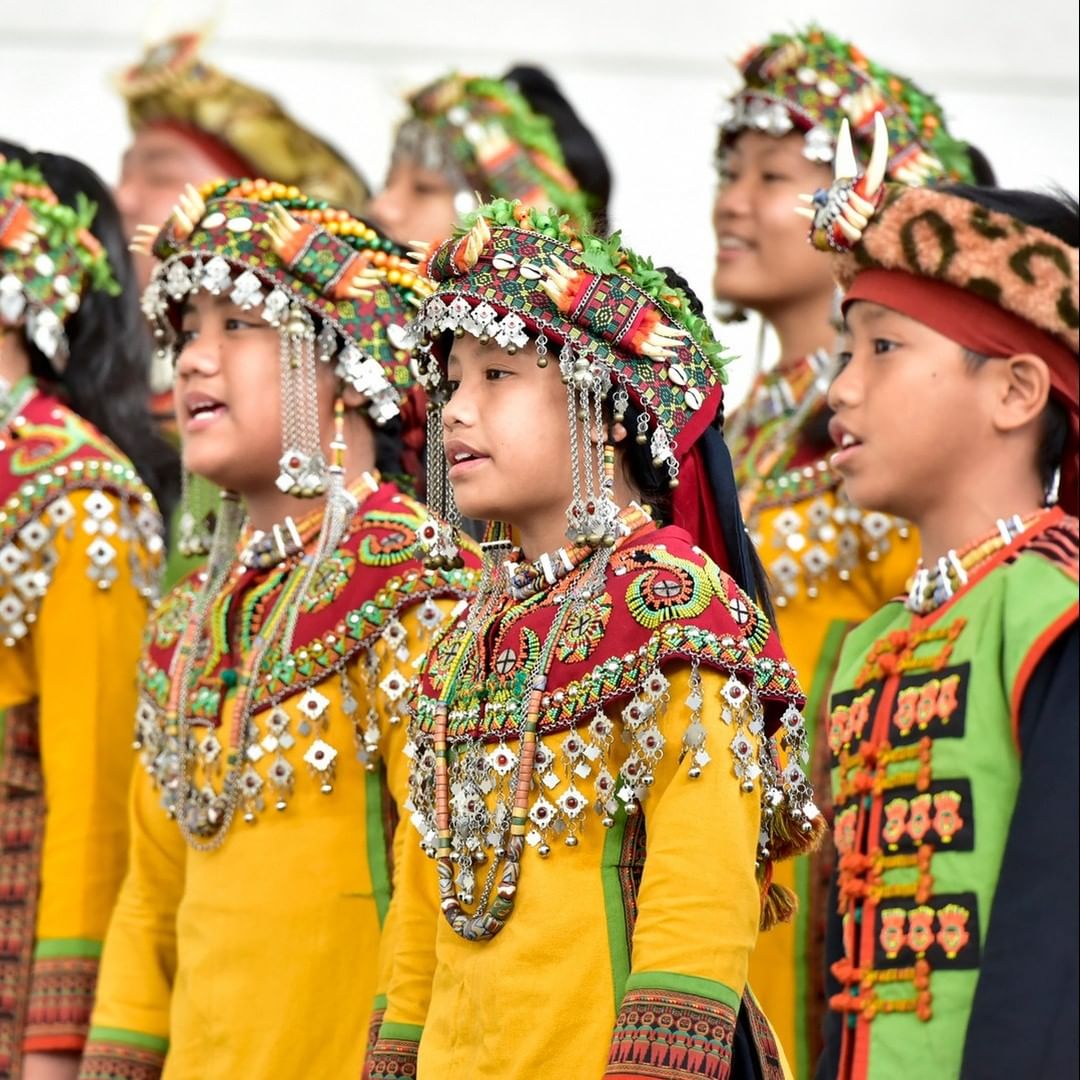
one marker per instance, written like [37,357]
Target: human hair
[106,378]
[1058,213]
[581,151]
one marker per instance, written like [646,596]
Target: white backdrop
[645,76]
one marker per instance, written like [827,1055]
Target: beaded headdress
[485,137]
[49,258]
[994,283]
[334,287]
[515,275]
[172,85]
[811,81]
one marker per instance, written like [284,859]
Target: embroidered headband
[811,81]
[266,244]
[49,258]
[173,87]
[485,136]
[935,234]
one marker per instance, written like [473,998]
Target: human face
[911,417]
[228,395]
[507,440]
[155,169]
[415,204]
[763,260]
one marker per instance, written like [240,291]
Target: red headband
[977,323]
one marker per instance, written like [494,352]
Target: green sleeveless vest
[926,768]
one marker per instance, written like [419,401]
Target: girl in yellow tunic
[80,547]
[272,687]
[594,747]
[831,565]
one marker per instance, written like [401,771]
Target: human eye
[884,345]
[236,322]
[494,374]
[843,358]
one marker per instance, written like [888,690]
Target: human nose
[200,356]
[732,200]
[387,208]
[460,408]
[126,196]
[845,390]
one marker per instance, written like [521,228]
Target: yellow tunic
[831,567]
[628,945]
[80,549]
[258,958]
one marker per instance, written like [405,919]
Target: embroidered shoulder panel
[661,603]
[1058,544]
[664,601]
[364,587]
[349,631]
[51,453]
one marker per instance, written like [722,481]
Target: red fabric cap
[693,508]
[977,323]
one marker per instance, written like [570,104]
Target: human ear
[617,433]
[1024,391]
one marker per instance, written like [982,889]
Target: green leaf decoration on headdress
[608,255]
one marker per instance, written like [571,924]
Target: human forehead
[757,146]
[159,148]
[470,350]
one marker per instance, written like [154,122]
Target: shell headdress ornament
[841,212]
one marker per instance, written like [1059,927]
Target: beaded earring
[592,516]
[438,534]
[341,505]
[199,502]
[302,467]
[1053,489]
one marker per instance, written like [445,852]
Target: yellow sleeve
[129,1036]
[407,946]
[85,645]
[699,904]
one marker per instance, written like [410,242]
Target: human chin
[478,496]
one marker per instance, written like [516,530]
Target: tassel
[778,905]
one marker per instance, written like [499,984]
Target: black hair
[981,169]
[1058,213]
[582,152]
[652,482]
[106,379]
[1054,211]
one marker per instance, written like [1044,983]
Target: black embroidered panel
[944,931]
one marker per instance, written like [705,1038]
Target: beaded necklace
[205,824]
[488,920]
[930,587]
[528,578]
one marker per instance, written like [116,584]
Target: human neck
[14,359]
[268,507]
[545,532]
[803,325]
[952,523]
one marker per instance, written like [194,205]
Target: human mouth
[463,458]
[201,411]
[731,247]
[849,444]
